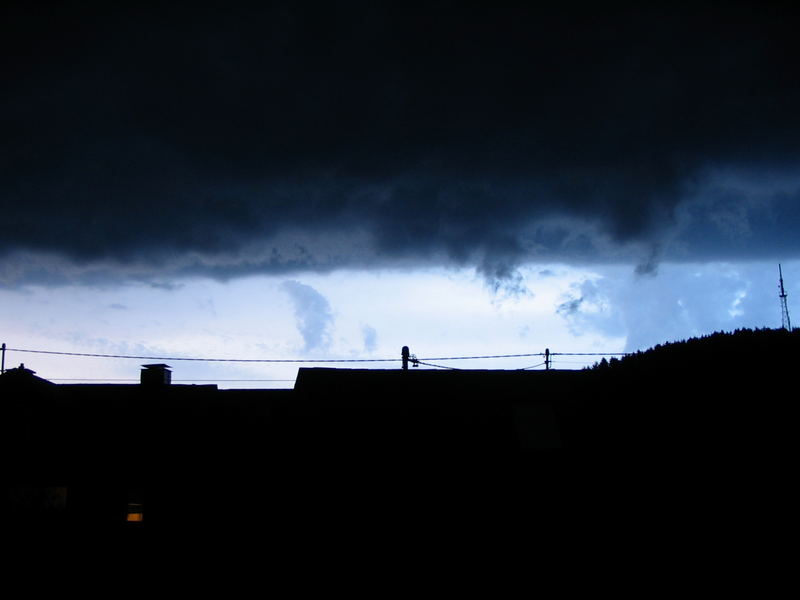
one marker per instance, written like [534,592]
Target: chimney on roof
[156,375]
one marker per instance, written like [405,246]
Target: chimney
[156,375]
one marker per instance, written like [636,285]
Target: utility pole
[3,365]
[786,323]
[547,359]
[407,356]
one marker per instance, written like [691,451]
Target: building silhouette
[117,453]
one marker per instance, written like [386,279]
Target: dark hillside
[723,389]
[753,348]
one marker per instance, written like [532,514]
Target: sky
[290,181]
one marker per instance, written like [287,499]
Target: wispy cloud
[370,338]
[313,315]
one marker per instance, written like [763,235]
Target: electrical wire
[419,362]
[590,353]
[571,362]
[482,357]
[241,360]
[173,380]
[308,360]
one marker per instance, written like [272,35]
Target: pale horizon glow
[372,314]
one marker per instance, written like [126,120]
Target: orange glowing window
[135,513]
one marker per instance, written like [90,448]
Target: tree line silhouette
[721,389]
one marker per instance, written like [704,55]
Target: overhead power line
[437,366]
[306,360]
[589,353]
[532,367]
[175,358]
[137,380]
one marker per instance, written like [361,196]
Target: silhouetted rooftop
[20,376]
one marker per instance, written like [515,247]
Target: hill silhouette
[725,389]
[713,351]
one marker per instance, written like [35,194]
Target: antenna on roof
[786,323]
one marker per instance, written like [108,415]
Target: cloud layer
[290,138]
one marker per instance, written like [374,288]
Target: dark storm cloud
[227,141]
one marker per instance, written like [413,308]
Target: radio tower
[786,323]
